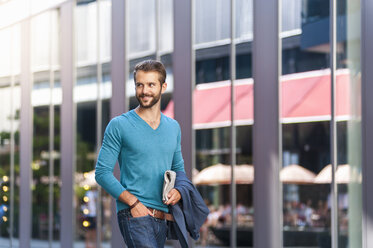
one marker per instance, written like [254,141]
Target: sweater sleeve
[178,161]
[107,159]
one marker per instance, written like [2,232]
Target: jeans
[142,232]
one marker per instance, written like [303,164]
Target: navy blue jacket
[189,214]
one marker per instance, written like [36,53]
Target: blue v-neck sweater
[143,154]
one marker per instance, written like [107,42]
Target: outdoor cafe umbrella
[342,175]
[244,174]
[296,174]
[221,174]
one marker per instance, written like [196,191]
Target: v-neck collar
[145,123]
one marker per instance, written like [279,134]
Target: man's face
[148,88]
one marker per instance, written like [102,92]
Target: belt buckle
[154,212]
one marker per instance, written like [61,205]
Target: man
[146,143]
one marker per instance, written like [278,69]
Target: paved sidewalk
[5,243]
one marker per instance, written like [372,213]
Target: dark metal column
[367,119]
[183,68]
[25,139]
[119,76]
[67,123]
[119,63]
[184,75]
[266,130]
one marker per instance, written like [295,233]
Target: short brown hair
[151,65]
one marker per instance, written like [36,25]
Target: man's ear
[164,87]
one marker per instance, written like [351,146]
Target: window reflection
[42,179]
[349,159]
[10,103]
[212,20]
[86,27]
[212,177]
[305,132]
[86,195]
[166,30]
[141,26]
[211,108]
[92,92]
[307,207]
[46,99]
[9,163]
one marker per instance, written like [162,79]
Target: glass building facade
[272,98]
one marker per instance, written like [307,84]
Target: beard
[149,103]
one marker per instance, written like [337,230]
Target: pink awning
[305,97]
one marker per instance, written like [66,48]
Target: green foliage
[79,191]
[83,163]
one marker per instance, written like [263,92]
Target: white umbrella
[221,174]
[214,174]
[295,174]
[244,174]
[342,175]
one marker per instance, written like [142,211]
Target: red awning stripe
[305,98]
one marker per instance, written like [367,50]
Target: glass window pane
[40,173]
[244,19]
[9,163]
[166,31]
[211,20]
[85,96]
[5,51]
[15,194]
[291,15]
[106,199]
[10,103]
[305,116]
[141,26]
[40,41]
[212,156]
[348,99]
[212,120]
[213,69]
[91,95]
[46,99]
[86,30]
[105,30]
[86,193]
[105,95]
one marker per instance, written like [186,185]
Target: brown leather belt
[161,215]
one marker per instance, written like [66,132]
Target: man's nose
[145,90]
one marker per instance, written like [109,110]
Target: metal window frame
[333,122]
[119,75]
[25,138]
[98,118]
[68,117]
[267,129]
[12,143]
[183,59]
[233,188]
[367,119]
[184,80]
[51,135]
